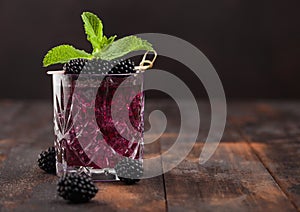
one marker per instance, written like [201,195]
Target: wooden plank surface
[234,179]
[255,168]
[274,134]
[24,186]
[8,112]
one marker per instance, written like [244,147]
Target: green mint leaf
[63,54]
[122,47]
[111,39]
[104,40]
[107,41]
[94,29]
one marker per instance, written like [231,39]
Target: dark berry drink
[98,121]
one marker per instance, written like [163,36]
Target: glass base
[106,174]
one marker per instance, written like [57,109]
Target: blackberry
[97,66]
[129,170]
[74,66]
[46,160]
[123,67]
[76,188]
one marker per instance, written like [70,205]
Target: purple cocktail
[98,121]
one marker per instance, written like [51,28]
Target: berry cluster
[123,67]
[76,188]
[74,66]
[79,188]
[129,170]
[97,66]
[46,160]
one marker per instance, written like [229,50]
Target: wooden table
[255,168]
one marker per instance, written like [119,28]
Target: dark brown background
[254,45]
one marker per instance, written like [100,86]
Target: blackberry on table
[129,170]
[47,161]
[76,188]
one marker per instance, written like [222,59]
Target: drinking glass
[98,120]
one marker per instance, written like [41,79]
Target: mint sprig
[94,29]
[103,47]
[124,46]
[63,54]
[107,41]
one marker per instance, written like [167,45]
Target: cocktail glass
[98,120]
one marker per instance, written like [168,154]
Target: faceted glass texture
[98,120]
